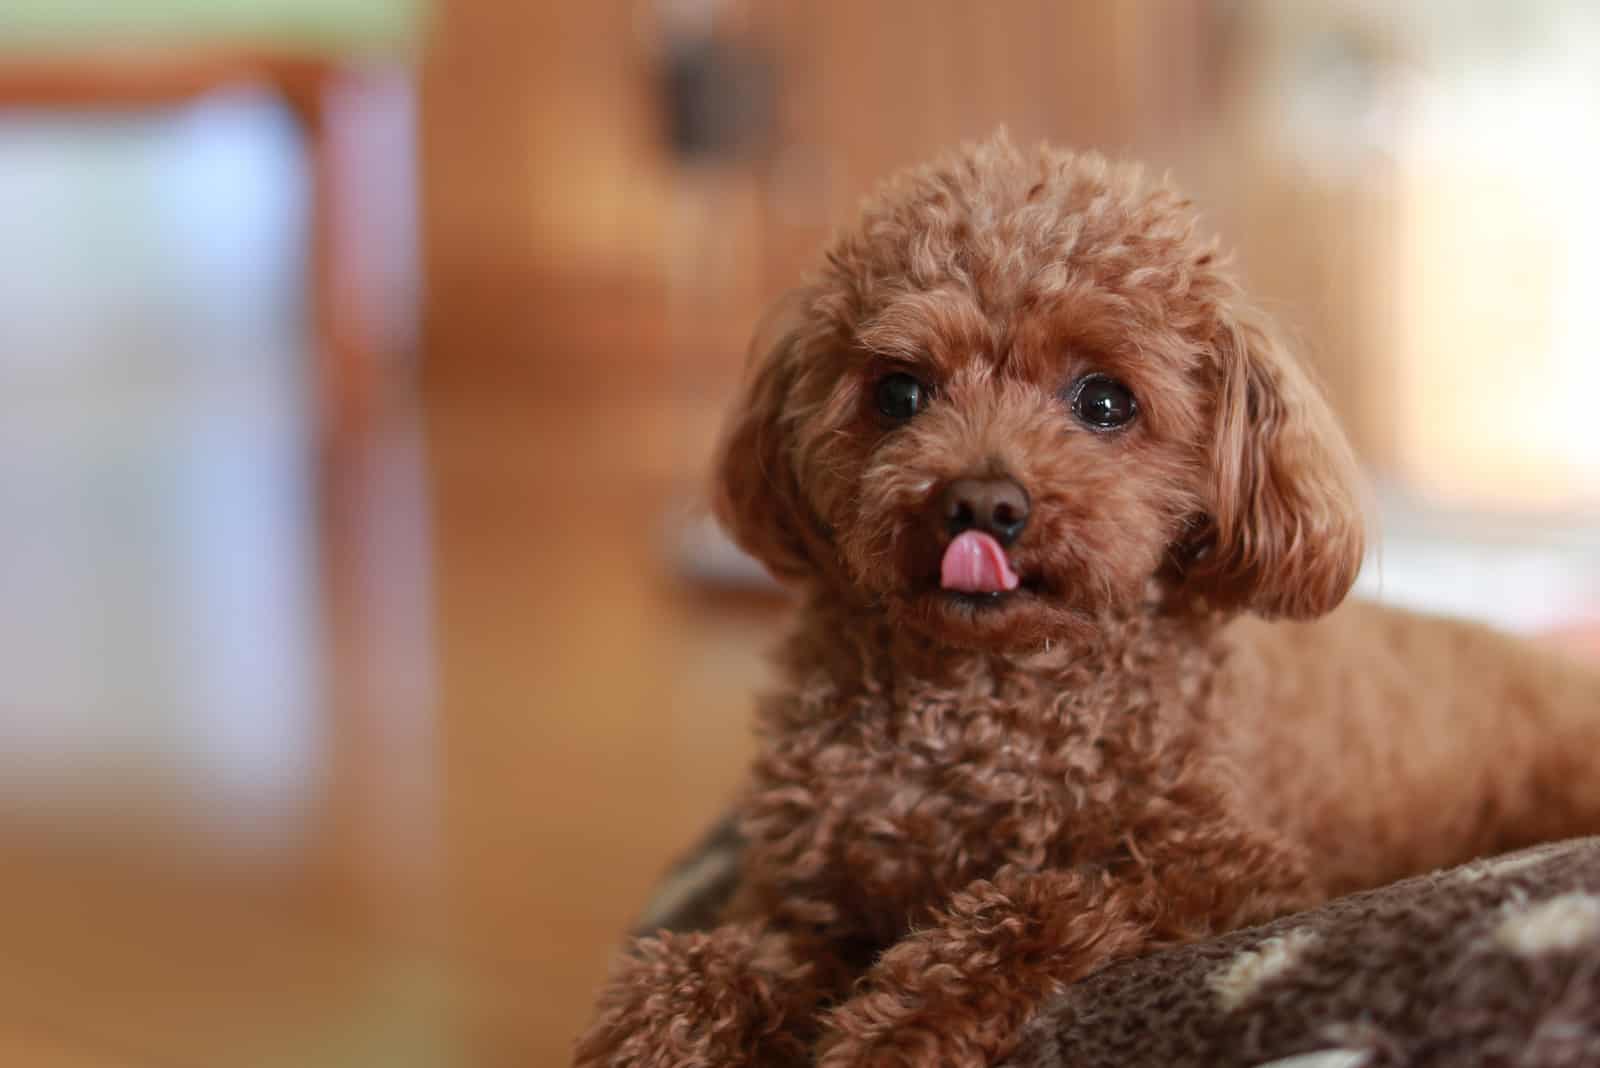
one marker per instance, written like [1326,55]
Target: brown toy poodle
[1069,682]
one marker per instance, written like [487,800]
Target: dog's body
[1365,746]
[1035,716]
[1392,743]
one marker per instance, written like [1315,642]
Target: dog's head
[1020,397]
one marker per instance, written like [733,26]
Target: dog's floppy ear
[1286,526]
[756,491]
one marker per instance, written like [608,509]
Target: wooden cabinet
[549,187]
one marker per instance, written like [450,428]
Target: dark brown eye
[1103,403]
[899,396]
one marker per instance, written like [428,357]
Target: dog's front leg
[738,996]
[956,993]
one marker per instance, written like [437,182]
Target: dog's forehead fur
[965,254]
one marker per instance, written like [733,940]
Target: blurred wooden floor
[593,711]
[345,757]
[490,721]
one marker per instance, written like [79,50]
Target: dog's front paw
[887,1029]
[957,993]
[718,999]
[917,1011]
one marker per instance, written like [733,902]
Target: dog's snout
[996,505]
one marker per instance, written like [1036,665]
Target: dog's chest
[897,801]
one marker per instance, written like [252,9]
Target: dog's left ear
[1286,530]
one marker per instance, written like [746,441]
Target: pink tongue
[975,563]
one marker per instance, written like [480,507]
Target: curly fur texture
[1166,732]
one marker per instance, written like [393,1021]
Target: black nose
[996,505]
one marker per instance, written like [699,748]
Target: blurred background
[363,653]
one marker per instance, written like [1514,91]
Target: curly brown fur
[963,804]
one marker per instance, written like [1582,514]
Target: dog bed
[1494,962]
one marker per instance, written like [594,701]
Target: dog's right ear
[756,495]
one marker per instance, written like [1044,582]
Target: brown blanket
[1496,962]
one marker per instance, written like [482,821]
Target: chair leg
[347,353]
